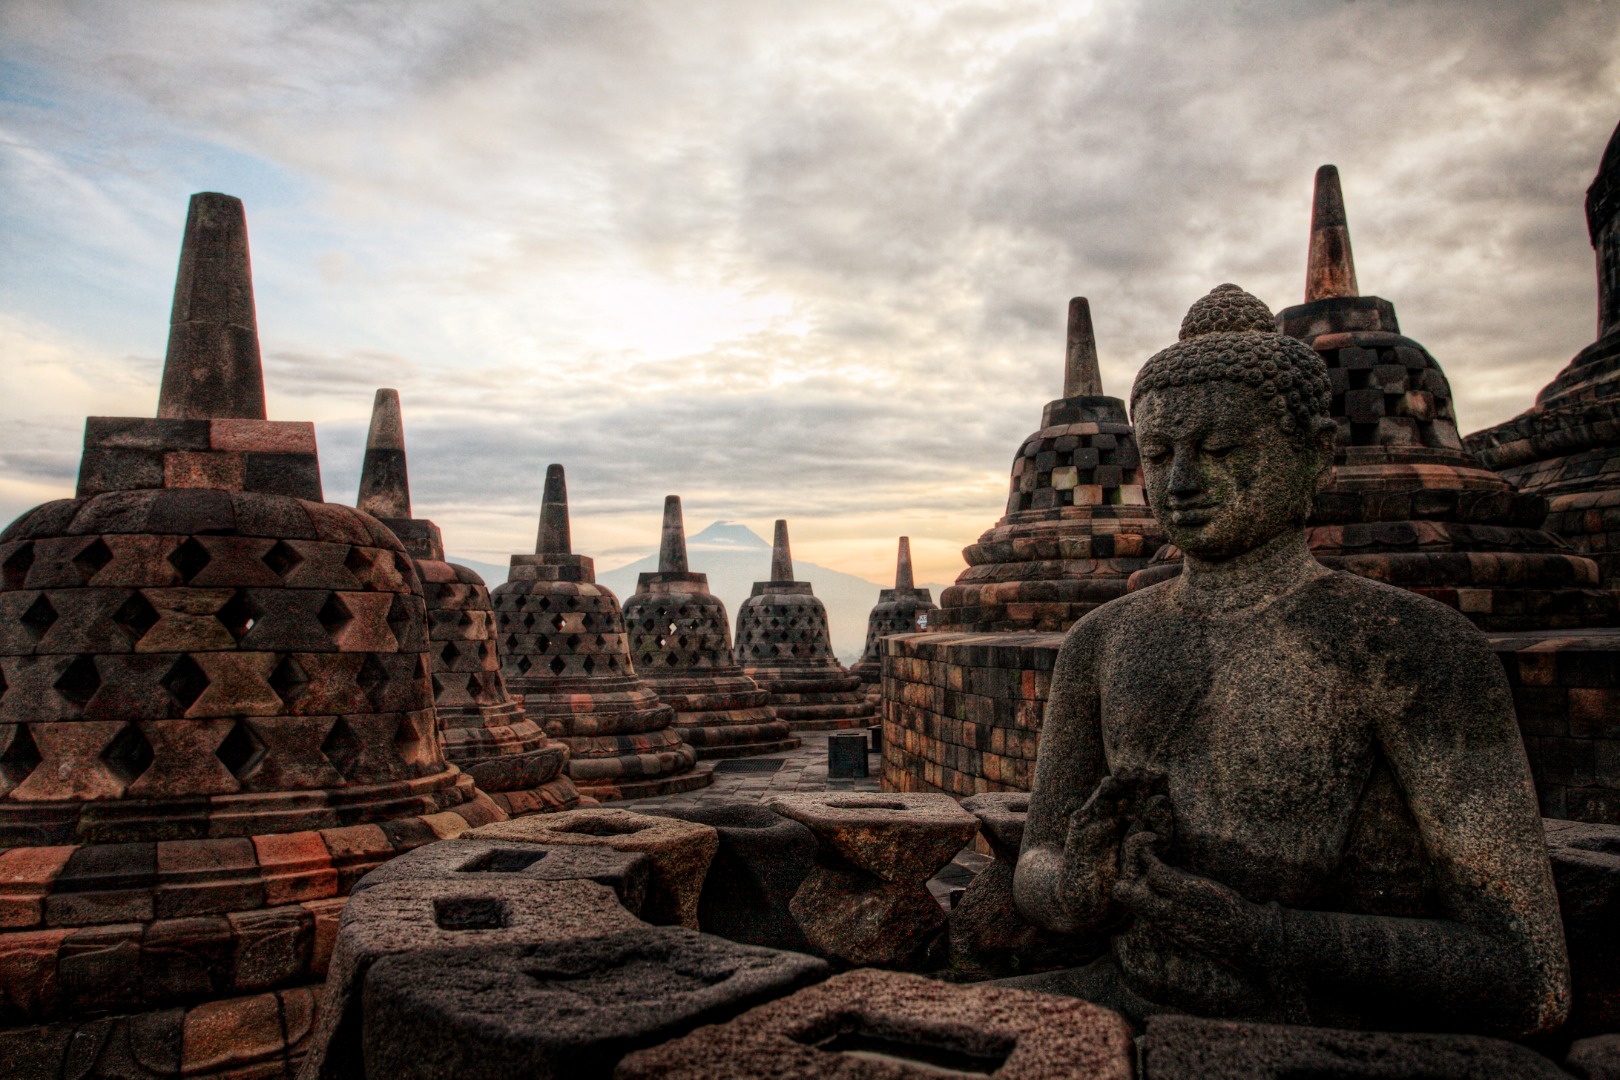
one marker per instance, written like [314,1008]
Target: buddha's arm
[1050,889]
[1498,961]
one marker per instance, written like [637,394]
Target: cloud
[801,259]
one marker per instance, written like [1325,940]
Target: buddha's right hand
[1128,801]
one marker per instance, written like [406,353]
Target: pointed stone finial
[781,555]
[554,538]
[212,369]
[672,545]
[1330,270]
[385,488]
[1081,377]
[902,569]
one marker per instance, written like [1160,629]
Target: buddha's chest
[1267,736]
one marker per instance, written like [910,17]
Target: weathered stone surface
[1187,1048]
[681,851]
[783,645]
[1217,778]
[762,860]
[564,648]
[897,837]
[680,642]
[886,1024]
[1586,870]
[439,914]
[627,873]
[484,729]
[1076,525]
[988,937]
[1595,1058]
[212,369]
[866,901]
[562,1009]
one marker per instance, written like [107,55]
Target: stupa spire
[672,545]
[385,486]
[554,538]
[1330,269]
[212,369]
[781,554]
[902,568]
[1081,376]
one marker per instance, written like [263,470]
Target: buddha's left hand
[1200,913]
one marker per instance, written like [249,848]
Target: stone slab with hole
[884,1024]
[680,851]
[627,873]
[441,913]
[762,860]
[506,1012]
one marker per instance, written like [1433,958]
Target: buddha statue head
[1234,428]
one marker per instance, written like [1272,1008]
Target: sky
[806,260]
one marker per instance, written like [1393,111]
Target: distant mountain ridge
[734,557]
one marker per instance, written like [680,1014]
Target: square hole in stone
[504,861]
[469,913]
[917,1053]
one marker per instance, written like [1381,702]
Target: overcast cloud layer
[805,260]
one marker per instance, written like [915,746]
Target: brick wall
[962,713]
[1566,689]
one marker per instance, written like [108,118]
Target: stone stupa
[1567,447]
[904,609]
[484,729]
[784,645]
[215,716]
[1077,524]
[680,642]
[564,649]
[1408,504]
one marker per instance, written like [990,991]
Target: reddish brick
[26,875]
[232,1034]
[28,979]
[326,914]
[296,867]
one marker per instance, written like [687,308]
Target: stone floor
[805,770]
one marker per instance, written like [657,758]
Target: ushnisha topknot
[1231,335]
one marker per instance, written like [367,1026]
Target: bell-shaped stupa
[784,645]
[215,715]
[1408,504]
[904,609]
[1077,523]
[680,641]
[1567,447]
[564,649]
[484,729]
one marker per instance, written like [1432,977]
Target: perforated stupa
[1077,524]
[484,728]
[680,641]
[564,649]
[783,643]
[215,714]
[1568,446]
[904,609]
[1408,504]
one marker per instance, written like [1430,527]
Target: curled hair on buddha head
[1231,336]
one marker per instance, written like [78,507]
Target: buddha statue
[1282,792]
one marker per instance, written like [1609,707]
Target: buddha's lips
[1197,514]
